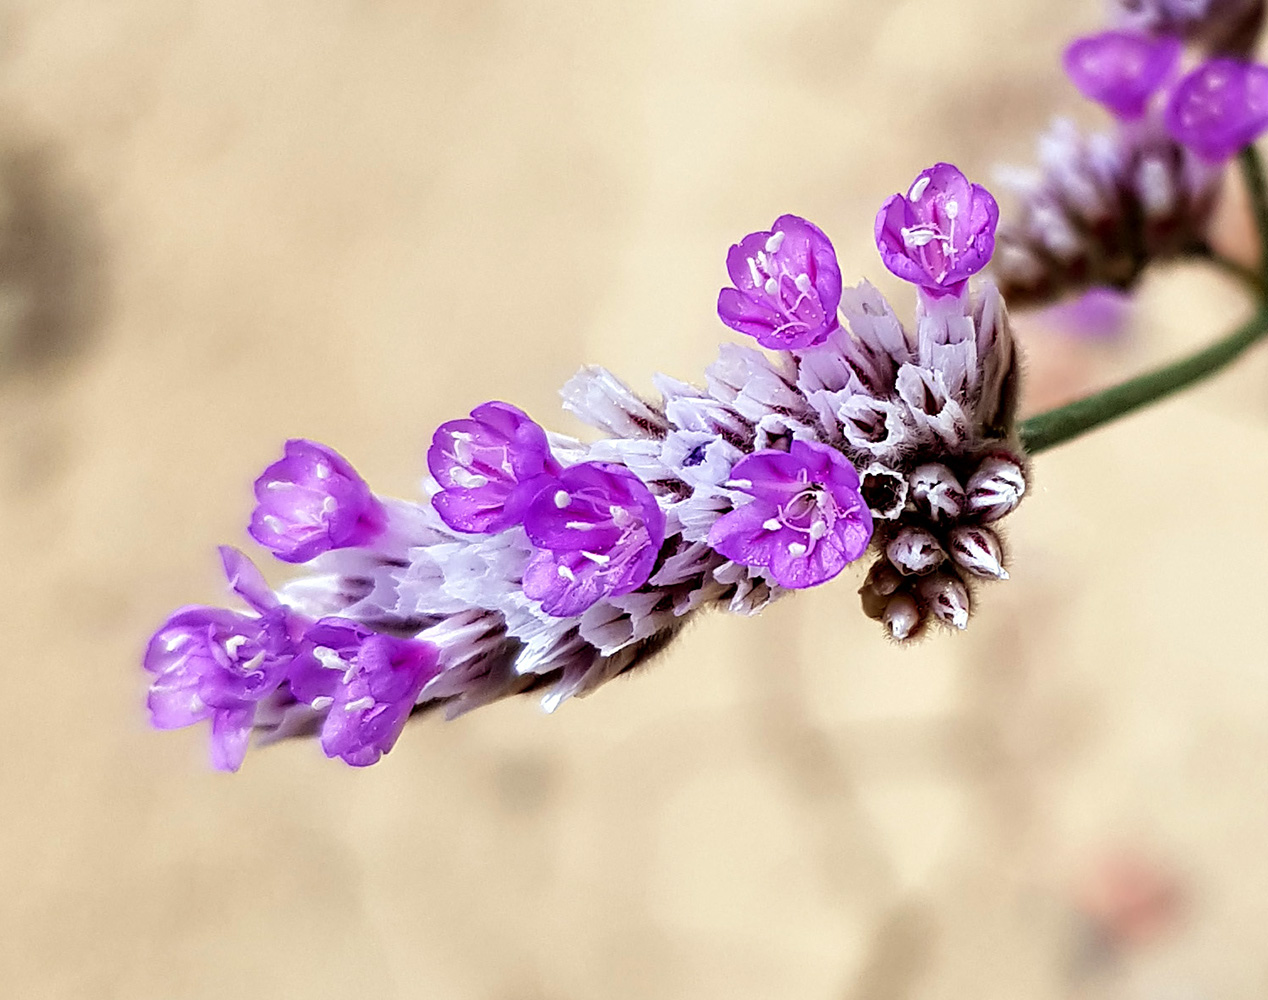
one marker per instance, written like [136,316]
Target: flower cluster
[539,563]
[1104,206]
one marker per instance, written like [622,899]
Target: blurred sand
[245,221]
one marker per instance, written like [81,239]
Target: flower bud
[978,550]
[915,551]
[996,488]
[902,616]
[948,599]
[936,492]
[882,580]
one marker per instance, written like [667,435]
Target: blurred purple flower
[599,530]
[806,520]
[489,468]
[312,501]
[1219,108]
[1121,69]
[941,233]
[787,286]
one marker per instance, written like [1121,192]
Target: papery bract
[806,521]
[1219,108]
[1121,69]
[940,233]
[489,468]
[599,529]
[787,286]
[312,501]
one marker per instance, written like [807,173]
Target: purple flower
[599,530]
[366,682]
[489,468]
[1121,69]
[942,232]
[787,286]
[312,501]
[806,520]
[212,663]
[1219,108]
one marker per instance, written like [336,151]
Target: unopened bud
[880,584]
[936,492]
[978,550]
[948,599]
[902,616]
[915,551]
[996,488]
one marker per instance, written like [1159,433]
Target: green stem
[1248,276]
[1047,430]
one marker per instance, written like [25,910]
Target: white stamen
[466,479]
[360,703]
[772,286]
[322,703]
[279,484]
[274,523]
[741,484]
[567,574]
[328,658]
[773,242]
[918,189]
[234,643]
[579,525]
[597,557]
[772,525]
[952,208]
[322,470]
[803,284]
[752,270]
[818,529]
[796,549]
[918,236]
[561,499]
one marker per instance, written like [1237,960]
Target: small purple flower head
[1121,69]
[787,286]
[212,663]
[942,232]
[489,468]
[366,682]
[806,520]
[312,501]
[1219,108]
[599,530]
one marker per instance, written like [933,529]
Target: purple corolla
[1219,108]
[598,529]
[312,501]
[806,520]
[787,286]
[940,233]
[489,467]
[1121,69]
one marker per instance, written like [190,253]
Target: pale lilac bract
[366,682]
[216,664]
[806,521]
[312,501]
[787,286]
[1219,108]
[940,233]
[489,467]
[1121,69]
[598,529]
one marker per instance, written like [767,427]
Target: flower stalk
[1053,427]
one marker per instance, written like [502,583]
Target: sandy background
[229,223]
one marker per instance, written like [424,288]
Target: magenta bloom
[599,530]
[942,232]
[787,286]
[806,520]
[312,501]
[216,664]
[367,684]
[1121,69]
[1219,108]
[489,468]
